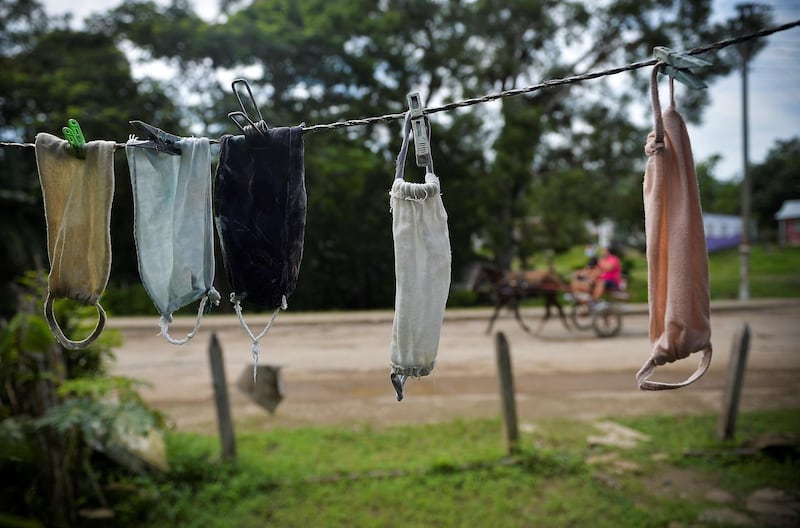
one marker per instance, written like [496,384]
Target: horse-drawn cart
[604,317]
[510,288]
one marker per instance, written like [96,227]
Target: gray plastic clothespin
[157,139]
[420,129]
[677,64]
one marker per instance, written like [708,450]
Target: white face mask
[422,271]
[173,226]
[77,204]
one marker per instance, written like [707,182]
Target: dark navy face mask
[260,213]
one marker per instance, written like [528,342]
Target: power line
[550,83]
[518,91]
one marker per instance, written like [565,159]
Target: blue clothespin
[74,136]
[419,129]
[677,64]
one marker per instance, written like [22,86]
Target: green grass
[774,272]
[452,474]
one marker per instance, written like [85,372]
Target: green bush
[127,299]
[56,407]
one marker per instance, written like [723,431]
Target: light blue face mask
[173,225]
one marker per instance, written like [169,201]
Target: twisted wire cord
[385,118]
[552,82]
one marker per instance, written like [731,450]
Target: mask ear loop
[659,123]
[672,93]
[400,163]
[237,307]
[429,165]
[59,334]
[163,323]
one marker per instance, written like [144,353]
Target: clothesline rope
[519,91]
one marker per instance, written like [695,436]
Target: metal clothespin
[74,136]
[242,118]
[157,139]
[677,65]
[419,129]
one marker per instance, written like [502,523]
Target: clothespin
[74,136]
[677,64]
[242,119]
[419,129]
[157,138]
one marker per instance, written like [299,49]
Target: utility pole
[745,48]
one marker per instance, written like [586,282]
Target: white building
[722,231]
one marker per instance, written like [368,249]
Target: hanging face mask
[260,207]
[77,204]
[173,226]
[677,259]
[422,270]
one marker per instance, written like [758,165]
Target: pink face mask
[677,259]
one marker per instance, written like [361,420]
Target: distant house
[788,218]
[722,231]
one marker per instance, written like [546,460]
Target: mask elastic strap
[237,307]
[59,334]
[642,377]
[400,164]
[658,127]
[163,323]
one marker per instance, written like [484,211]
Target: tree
[526,173]
[57,408]
[775,180]
[49,75]
[722,197]
[22,21]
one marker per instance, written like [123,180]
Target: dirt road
[335,368]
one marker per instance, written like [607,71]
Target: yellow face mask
[77,204]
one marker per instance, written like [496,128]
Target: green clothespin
[74,136]
[677,64]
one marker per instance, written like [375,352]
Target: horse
[508,288]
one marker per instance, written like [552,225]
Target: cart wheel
[581,316]
[607,321]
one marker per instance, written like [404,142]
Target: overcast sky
[774,88]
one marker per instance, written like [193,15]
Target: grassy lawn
[774,272]
[456,474]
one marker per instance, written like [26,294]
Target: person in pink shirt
[610,273]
